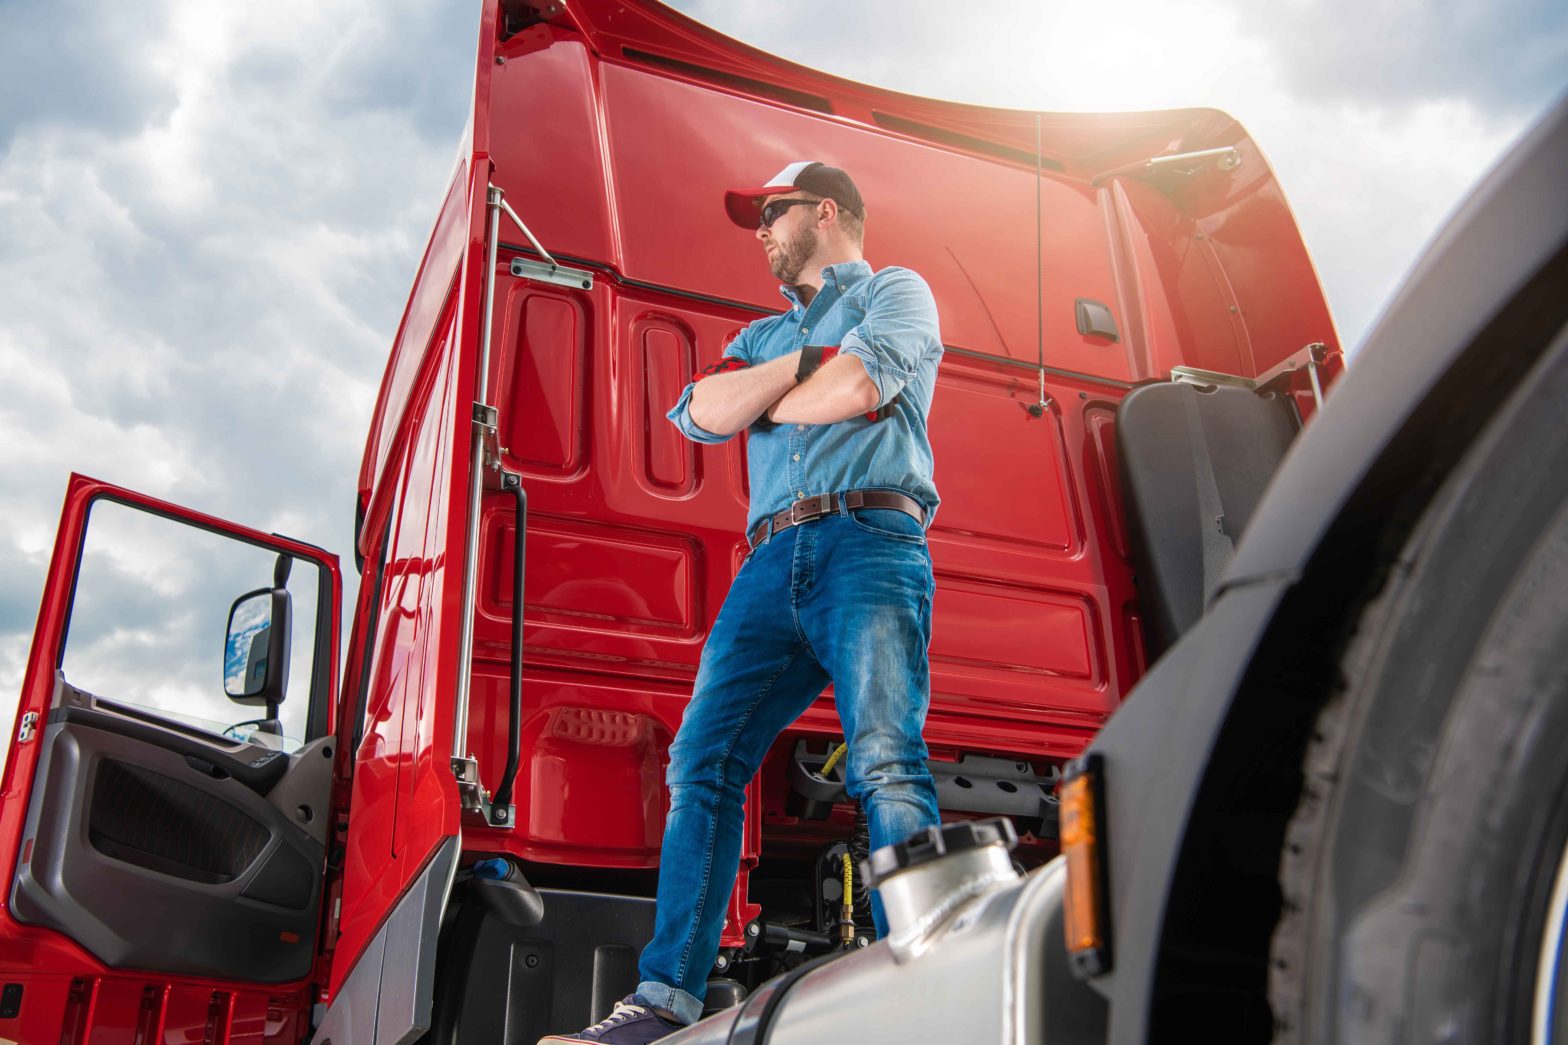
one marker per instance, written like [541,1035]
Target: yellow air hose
[846,920]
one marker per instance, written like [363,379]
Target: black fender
[1201,764]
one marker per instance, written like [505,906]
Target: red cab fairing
[614,129]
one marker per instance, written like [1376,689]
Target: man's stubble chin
[789,260]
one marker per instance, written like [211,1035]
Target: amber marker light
[1082,835]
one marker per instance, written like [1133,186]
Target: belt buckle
[817,507]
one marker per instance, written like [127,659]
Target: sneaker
[632,1023]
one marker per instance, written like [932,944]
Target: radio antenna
[1038,409]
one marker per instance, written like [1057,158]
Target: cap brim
[744,206]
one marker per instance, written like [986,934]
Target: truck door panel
[125,831]
[152,824]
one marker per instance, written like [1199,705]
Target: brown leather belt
[808,508]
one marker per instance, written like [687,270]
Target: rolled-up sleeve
[680,413]
[900,331]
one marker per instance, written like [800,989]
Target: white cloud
[207,252]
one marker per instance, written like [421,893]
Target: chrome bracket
[28,728]
[1194,376]
[475,800]
[561,275]
[485,426]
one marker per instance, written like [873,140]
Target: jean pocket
[889,522]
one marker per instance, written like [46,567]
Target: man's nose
[762,233]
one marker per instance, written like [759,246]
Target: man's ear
[830,214]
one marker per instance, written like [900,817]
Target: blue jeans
[845,598]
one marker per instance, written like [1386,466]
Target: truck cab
[437,812]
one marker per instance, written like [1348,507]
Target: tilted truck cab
[459,835]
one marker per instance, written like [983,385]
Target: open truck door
[167,798]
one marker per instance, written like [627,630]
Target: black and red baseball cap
[744,206]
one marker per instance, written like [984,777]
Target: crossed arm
[840,389]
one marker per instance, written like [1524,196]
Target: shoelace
[621,1014]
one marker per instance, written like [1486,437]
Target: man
[838,584]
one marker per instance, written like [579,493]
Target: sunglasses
[775,210]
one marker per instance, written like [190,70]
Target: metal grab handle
[513,484]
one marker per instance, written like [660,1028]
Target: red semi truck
[456,836]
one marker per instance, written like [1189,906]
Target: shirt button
[800,428]
[800,495]
[805,330]
[797,457]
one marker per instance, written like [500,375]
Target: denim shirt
[888,321]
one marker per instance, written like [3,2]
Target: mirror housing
[256,649]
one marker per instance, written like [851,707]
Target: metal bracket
[475,800]
[28,728]
[1309,357]
[1194,376]
[486,419]
[1224,158]
[561,275]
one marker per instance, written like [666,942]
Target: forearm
[725,403]
[839,390]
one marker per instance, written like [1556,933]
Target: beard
[789,260]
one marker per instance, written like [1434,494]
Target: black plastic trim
[261,773]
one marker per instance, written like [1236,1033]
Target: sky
[210,213]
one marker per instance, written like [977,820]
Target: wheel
[1424,873]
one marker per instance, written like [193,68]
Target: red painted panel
[668,360]
[116,1013]
[386,844]
[543,359]
[186,1016]
[1025,498]
[578,755]
[1103,468]
[548,155]
[980,630]
[591,576]
[980,259]
[590,789]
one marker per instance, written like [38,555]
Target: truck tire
[1424,873]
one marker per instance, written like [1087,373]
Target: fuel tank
[975,954]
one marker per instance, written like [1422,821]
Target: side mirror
[256,649]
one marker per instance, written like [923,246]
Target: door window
[150,615]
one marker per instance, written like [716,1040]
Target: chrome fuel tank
[991,967]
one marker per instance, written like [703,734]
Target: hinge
[475,800]
[28,728]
